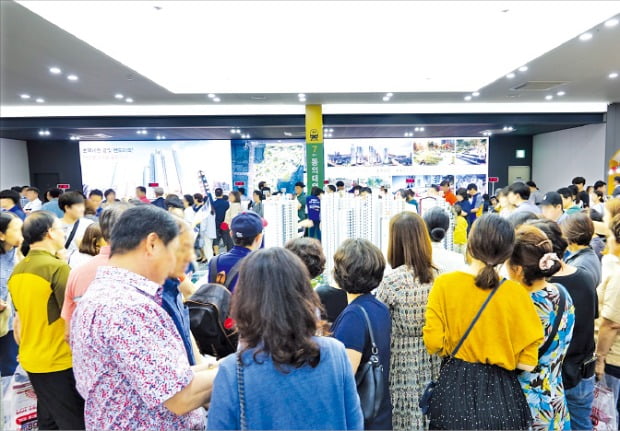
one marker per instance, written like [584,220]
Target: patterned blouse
[128,357]
[543,387]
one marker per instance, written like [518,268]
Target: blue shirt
[160,202]
[226,261]
[52,206]
[18,212]
[313,204]
[7,263]
[351,328]
[306,398]
[220,206]
[172,302]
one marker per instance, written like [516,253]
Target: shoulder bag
[369,378]
[556,323]
[425,399]
[241,391]
[72,234]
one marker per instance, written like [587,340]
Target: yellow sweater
[460,231]
[508,332]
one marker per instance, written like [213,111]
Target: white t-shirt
[79,233]
[34,205]
[78,259]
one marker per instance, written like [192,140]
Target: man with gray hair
[159,198]
[81,277]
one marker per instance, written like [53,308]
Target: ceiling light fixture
[549,97]
[523,69]
[389,94]
[301,95]
[611,22]
[74,137]
[142,132]
[386,99]
[25,96]
[217,99]
[55,70]
[586,36]
[118,96]
[40,100]
[613,75]
[561,93]
[129,100]
[44,132]
[467,98]
[72,77]
[475,93]
[210,95]
[510,75]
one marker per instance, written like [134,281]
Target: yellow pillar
[315,152]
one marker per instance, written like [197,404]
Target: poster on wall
[407,163]
[173,165]
[279,163]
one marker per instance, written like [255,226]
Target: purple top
[128,357]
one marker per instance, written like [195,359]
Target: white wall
[558,157]
[14,170]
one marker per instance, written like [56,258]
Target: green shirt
[301,212]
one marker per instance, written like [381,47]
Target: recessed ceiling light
[302,99]
[386,99]
[389,94]
[467,98]
[210,95]
[475,94]
[25,96]
[55,70]
[44,132]
[613,75]
[611,23]
[217,99]
[129,100]
[74,137]
[301,95]
[585,36]
[40,100]
[232,131]
[510,75]
[561,93]
[421,129]
[118,96]
[549,97]
[72,77]
[523,69]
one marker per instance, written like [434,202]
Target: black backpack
[209,309]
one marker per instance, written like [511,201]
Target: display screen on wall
[173,165]
[407,163]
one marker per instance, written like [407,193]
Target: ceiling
[257,56]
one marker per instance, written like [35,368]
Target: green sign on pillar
[315,160]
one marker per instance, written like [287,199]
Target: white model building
[281,216]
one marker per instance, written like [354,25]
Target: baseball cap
[551,198]
[299,184]
[247,224]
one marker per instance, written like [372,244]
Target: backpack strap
[232,274]
[213,268]
[556,323]
[72,234]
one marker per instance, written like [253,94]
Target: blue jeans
[614,384]
[579,400]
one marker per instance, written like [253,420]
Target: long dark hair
[491,241]
[410,244]
[5,220]
[276,309]
[36,226]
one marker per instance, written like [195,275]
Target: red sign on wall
[494,179]
[153,184]
[63,186]
[239,183]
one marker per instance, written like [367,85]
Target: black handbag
[369,379]
[425,399]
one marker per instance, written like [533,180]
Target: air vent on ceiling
[538,85]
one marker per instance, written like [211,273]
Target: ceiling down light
[613,75]
[467,98]
[141,132]
[475,93]
[389,94]
[55,70]
[25,96]
[510,75]
[301,95]
[129,100]
[74,137]
[217,99]
[211,95]
[611,22]
[44,132]
[72,77]
[549,97]
[386,99]
[118,96]
[585,36]
[40,100]
[421,129]
[523,69]
[561,93]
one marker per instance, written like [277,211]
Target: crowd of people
[514,319]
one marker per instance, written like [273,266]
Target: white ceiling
[257,56]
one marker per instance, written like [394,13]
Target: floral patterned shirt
[128,357]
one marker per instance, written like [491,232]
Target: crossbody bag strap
[473,322]
[556,323]
[241,390]
[375,349]
[72,234]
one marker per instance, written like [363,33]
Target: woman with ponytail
[37,288]
[438,223]
[485,328]
[532,263]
